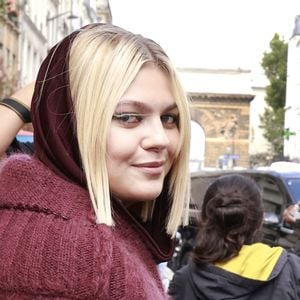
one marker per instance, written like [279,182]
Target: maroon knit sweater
[51,248]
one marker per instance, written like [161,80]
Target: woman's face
[143,137]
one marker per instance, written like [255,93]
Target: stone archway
[224,119]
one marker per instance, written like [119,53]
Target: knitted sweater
[51,248]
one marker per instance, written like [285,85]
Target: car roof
[202,179]
[252,172]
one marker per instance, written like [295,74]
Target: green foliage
[272,123]
[2,8]
[288,133]
[275,61]
[274,64]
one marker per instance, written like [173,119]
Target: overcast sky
[209,33]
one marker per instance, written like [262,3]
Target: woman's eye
[169,119]
[127,118]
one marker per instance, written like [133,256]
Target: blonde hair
[104,60]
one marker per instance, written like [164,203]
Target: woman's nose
[155,136]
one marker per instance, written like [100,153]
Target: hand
[289,213]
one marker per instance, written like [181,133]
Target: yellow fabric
[255,261]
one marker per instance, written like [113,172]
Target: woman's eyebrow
[143,106]
[171,107]
[132,103]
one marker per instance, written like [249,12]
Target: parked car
[279,189]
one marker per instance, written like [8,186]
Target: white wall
[257,143]
[197,147]
[292,115]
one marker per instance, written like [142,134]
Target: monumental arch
[224,119]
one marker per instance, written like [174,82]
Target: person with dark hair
[228,262]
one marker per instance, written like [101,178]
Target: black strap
[19,108]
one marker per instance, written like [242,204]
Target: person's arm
[10,121]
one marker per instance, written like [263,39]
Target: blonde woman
[96,208]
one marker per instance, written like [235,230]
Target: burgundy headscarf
[56,143]
[53,115]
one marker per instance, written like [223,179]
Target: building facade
[225,122]
[221,106]
[292,109]
[9,32]
[45,22]
[29,28]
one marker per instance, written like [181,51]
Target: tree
[274,64]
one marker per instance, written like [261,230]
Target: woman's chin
[140,197]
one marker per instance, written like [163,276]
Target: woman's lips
[152,168]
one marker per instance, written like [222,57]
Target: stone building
[9,33]
[29,28]
[104,11]
[220,105]
[43,23]
[225,122]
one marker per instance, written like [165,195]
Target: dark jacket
[20,147]
[274,274]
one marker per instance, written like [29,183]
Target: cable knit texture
[51,248]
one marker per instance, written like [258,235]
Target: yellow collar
[255,261]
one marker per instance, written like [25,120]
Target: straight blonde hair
[104,61]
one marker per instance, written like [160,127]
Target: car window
[293,185]
[199,185]
[271,194]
